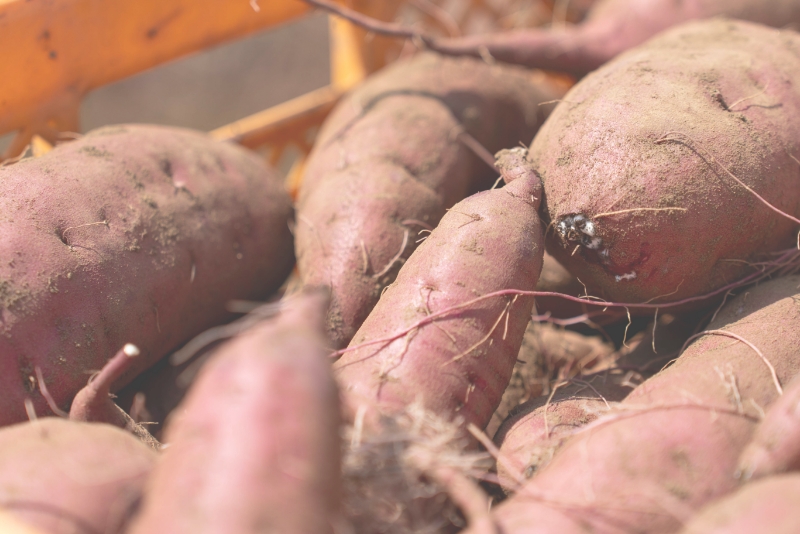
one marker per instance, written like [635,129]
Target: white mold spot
[627,276]
[578,229]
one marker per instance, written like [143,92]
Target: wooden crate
[53,52]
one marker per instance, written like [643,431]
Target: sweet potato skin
[388,163]
[776,444]
[62,476]
[532,433]
[610,28]
[768,505]
[461,364]
[547,353]
[675,445]
[647,136]
[130,234]
[254,446]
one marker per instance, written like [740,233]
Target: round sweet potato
[640,161]
[131,234]
[65,476]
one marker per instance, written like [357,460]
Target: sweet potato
[532,433]
[556,279]
[391,159]
[776,444]
[610,27]
[9,524]
[432,338]
[547,353]
[586,388]
[254,447]
[672,445]
[130,234]
[768,505]
[640,158]
[65,477]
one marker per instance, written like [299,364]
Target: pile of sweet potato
[505,315]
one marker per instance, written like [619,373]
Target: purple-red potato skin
[672,445]
[130,234]
[531,434]
[521,436]
[64,476]
[93,403]
[254,446]
[547,353]
[769,505]
[724,93]
[611,27]
[459,365]
[389,162]
[776,444]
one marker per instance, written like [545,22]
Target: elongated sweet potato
[65,477]
[254,447]
[652,164]
[672,445]
[768,505]
[610,27]
[458,361]
[390,161]
[130,234]
[776,445]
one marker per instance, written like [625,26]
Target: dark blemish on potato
[577,228]
[472,246]
[166,167]
[149,201]
[61,237]
[721,101]
[93,151]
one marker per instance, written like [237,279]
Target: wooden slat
[283,122]
[52,52]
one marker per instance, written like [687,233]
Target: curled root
[397,257]
[46,394]
[682,138]
[787,262]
